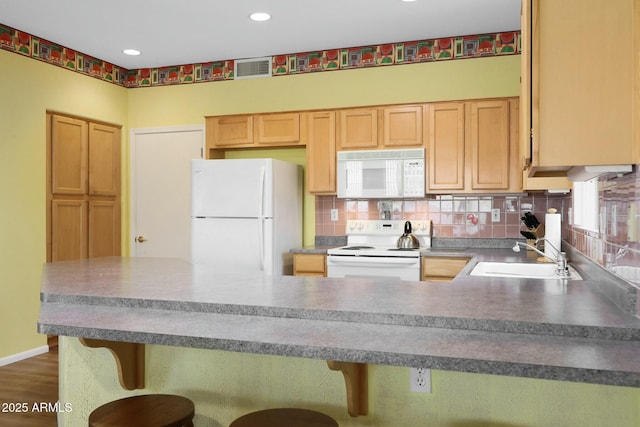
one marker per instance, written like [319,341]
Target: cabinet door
[68,229]
[278,129]
[583,80]
[442,269]
[104,228]
[104,160]
[358,128]
[402,126]
[321,152]
[229,131]
[489,141]
[445,135]
[309,265]
[69,155]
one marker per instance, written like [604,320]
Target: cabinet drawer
[442,268]
[309,264]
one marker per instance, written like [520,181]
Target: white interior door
[161,190]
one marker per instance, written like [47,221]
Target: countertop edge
[605,362]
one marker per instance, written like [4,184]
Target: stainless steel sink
[523,270]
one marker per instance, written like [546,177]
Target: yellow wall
[28,88]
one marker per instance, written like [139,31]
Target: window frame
[586,205]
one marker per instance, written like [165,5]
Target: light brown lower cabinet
[310,265]
[442,268]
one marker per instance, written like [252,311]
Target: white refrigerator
[246,214]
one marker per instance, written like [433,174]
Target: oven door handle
[363,260]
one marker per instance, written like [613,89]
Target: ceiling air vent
[252,68]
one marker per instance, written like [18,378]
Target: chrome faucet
[562,268]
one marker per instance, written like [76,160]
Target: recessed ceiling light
[132,52]
[260,16]
[408,1]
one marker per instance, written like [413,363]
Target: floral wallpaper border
[443,49]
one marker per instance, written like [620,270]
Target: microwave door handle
[346,182]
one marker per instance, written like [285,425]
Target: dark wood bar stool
[285,417]
[150,410]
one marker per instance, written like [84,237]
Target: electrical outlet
[495,215]
[334,214]
[420,380]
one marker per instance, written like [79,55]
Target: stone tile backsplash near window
[452,217]
[610,247]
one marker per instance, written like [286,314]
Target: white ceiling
[175,32]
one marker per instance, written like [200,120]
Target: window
[585,204]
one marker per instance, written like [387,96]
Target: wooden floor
[30,382]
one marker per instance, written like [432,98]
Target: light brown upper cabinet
[83,191]
[402,126]
[383,127]
[580,80]
[255,130]
[277,129]
[358,129]
[490,145]
[229,131]
[320,137]
[472,146]
[445,147]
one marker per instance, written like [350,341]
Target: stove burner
[356,248]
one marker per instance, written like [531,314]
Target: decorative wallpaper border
[443,49]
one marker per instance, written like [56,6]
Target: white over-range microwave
[379,174]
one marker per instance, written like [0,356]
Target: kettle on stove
[408,240]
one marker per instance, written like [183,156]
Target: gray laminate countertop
[566,330]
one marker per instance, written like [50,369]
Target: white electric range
[372,251]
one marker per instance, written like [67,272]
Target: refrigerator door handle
[261,239]
[261,192]
[261,242]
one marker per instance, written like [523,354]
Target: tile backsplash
[470,216]
[610,246]
[452,216]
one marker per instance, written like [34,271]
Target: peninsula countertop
[563,330]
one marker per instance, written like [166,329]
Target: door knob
[140,239]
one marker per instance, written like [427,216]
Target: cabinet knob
[140,239]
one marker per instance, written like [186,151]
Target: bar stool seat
[150,410]
[285,417]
